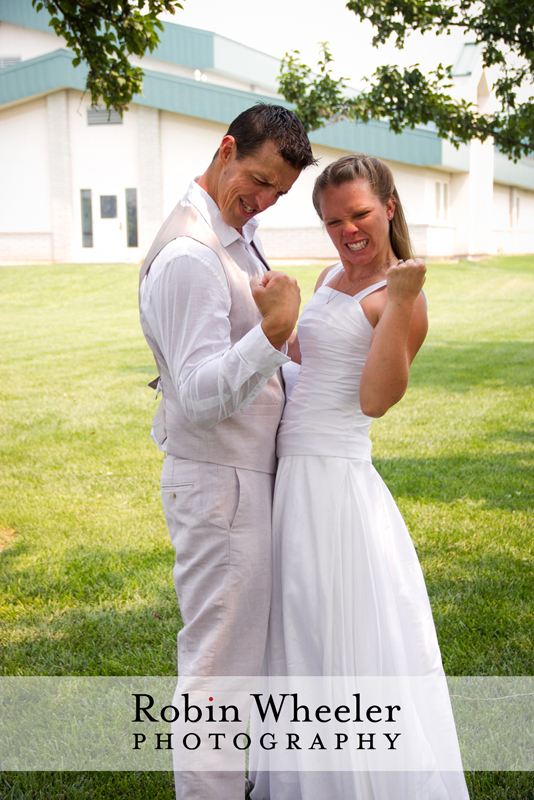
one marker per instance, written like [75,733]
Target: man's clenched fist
[278,299]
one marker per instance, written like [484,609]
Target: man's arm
[187,305]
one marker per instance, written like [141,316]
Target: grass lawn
[85,567]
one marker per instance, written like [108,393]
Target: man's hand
[278,299]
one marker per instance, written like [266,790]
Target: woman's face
[358,223]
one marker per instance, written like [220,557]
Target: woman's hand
[293,348]
[406,279]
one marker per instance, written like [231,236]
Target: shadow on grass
[89,611]
[458,366]
[96,641]
[482,608]
[87,572]
[501,481]
[481,602]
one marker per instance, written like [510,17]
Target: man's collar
[209,209]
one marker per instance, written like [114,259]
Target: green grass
[458,454]
[90,564]
[87,786]
[85,585]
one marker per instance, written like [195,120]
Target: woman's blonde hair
[380,179]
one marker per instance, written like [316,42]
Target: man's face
[249,185]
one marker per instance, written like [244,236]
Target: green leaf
[407,97]
[102,33]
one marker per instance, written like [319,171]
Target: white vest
[247,438]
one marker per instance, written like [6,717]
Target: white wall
[292,228]
[431,226]
[26,42]
[187,147]
[24,200]
[512,233]
[25,214]
[48,153]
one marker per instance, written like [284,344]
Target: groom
[217,319]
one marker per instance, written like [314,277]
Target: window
[108,206]
[8,61]
[442,200]
[87,218]
[131,217]
[96,115]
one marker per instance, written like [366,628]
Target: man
[217,319]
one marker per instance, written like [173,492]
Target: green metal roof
[21,12]
[41,75]
[179,44]
[216,103]
[205,50]
[519,174]
[419,146]
[192,98]
[187,46]
[196,99]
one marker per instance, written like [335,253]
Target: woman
[349,597]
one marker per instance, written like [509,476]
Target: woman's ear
[390,208]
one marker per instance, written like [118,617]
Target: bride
[349,598]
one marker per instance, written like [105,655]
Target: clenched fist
[278,299]
[406,279]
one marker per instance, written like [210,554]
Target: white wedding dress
[349,596]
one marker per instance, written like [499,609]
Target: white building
[80,185]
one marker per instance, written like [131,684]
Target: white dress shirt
[185,299]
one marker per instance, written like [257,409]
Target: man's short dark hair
[264,122]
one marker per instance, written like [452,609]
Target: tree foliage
[406,96]
[103,33]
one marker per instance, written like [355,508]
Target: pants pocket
[229,494]
[169,487]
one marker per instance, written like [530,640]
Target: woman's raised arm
[399,333]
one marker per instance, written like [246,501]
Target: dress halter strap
[369,290]
[334,270]
[331,272]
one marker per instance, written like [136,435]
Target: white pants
[219,521]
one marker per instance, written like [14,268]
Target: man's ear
[227,150]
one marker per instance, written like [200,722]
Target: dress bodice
[323,414]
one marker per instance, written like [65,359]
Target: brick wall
[29,248]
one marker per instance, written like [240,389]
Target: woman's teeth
[357,245]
